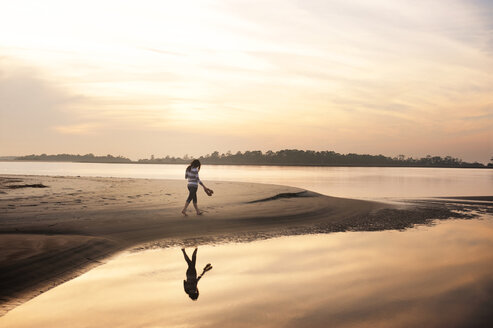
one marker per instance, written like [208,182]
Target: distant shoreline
[285,157]
[258,164]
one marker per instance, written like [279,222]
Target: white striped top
[193,177]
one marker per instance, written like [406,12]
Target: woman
[192,174]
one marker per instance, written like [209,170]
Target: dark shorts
[192,196]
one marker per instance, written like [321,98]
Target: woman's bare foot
[184,212]
[200,212]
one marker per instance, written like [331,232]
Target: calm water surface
[440,276]
[353,182]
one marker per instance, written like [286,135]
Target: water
[352,182]
[440,276]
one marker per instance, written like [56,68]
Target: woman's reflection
[190,284]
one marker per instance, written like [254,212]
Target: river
[352,182]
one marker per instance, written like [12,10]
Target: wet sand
[55,228]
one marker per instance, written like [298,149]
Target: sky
[142,78]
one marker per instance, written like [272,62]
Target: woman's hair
[195,164]
[193,294]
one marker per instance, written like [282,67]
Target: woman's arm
[208,267]
[207,190]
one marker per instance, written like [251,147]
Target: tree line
[316,158]
[88,158]
[283,157]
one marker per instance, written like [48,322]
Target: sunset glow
[191,77]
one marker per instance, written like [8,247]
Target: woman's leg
[194,256]
[184,211]
[186,257]
[192,195]
[199,212]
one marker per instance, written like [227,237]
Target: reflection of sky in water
[351,182]
[439,276]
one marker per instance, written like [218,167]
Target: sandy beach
[55,228]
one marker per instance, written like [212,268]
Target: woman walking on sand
[192,174]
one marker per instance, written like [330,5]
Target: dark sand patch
[480,198]
[18,186]
[303,193]
[35,185]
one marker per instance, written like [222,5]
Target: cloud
[36,112]
[29,105]
[283,74]
[79,129]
